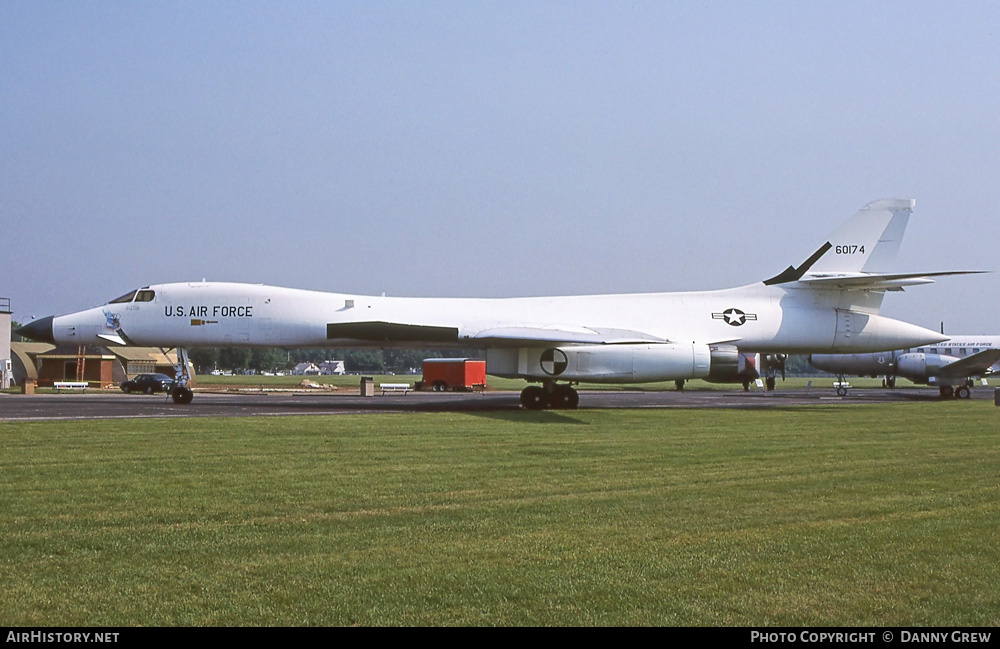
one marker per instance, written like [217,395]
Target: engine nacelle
[603,363]
[729,365]
[918,366]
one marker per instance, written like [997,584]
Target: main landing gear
[549,395]
[961,392]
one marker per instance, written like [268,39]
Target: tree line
[272,359]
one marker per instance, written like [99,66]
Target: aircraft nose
[39,330]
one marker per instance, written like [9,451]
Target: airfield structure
[5,365]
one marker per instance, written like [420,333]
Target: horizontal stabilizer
[975,365]
[877,281]
[566,335]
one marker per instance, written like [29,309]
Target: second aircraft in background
[950,365]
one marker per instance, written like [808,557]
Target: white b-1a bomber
[827,304]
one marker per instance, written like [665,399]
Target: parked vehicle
[443,374]
[148,383]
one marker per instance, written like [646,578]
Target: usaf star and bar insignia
[734,317]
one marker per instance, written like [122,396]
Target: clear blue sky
[491,148]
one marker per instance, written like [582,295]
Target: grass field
[836,515]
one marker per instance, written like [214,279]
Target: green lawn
[838,515]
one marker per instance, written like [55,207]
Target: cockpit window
[145,295]
[125,298]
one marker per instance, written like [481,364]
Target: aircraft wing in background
[975,365]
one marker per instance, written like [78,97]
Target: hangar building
[103,366]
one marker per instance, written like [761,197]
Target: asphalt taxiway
[114,405]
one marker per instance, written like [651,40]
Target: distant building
[306,369]
[332,367]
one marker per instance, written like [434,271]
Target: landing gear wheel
[182,395]
[564,397]
[947,391]
[841,392]
[533,397]
[679,384]
[769,382]
[963,392]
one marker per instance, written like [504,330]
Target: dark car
[148,383]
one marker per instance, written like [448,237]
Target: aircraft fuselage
[754,318]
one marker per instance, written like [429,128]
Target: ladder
[81,359]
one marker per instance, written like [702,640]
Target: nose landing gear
[181,393]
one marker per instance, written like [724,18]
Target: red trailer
[441,374]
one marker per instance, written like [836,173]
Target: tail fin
[865,243]
[869,240]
